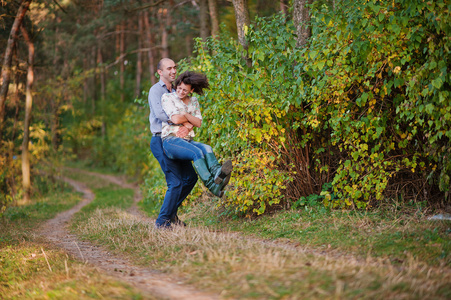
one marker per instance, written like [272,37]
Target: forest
[336,116]
[345,103]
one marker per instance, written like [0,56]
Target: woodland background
[343,102]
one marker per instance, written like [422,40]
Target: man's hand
[182,132]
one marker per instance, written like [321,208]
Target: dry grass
[37,271]
[249,268]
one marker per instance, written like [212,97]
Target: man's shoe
[176,221]
[164,227]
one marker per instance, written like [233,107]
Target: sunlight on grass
[34,271]
[31,269]
[379,233]
[18,223]
[248,268]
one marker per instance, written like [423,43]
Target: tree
[7,59]
[26,135]
[301,19]
[203,17]
[214,17]
[242,20]
[149,39]
[139,54]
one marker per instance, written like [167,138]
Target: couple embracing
[174,113]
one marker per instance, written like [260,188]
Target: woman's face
[183,90]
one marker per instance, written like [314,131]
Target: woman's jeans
[178,148]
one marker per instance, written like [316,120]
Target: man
[180,175]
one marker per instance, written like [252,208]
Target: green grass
[378,233]
[17,223]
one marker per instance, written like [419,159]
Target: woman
[183,110]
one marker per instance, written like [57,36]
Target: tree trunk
[188,46]
[122,60]
[85,80]
[242,20]
[16,98]
[283,7]
[214,17]
[7,60]
[93,81]
[26,133]
[163,19]
[301,19]
[139,55]
[203,15]
[102,89]
[149,45]
[55,100]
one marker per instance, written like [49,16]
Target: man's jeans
[180,179]
[178,148]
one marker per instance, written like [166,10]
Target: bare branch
[130,52]
[145,6]
[60,6]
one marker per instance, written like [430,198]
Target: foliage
[244,113]
[370,88]
[7,172]
[366,106]
[11,166]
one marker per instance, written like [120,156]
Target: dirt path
[148,281]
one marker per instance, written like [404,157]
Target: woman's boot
[207,177]
[219,172]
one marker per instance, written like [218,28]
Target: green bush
[365,106]
[381,87]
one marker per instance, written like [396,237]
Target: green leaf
[437,83]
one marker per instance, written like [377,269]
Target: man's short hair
[160,63]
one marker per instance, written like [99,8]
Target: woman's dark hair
[197,81]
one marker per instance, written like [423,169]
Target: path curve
[148,281]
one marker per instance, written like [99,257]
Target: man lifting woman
[182,109]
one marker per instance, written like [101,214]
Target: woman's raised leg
[178,148]
[220,172]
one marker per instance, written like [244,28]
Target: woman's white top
[172,105]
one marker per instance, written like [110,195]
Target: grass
[319,254]
[107,195]
[27,275]
[309,253]
[254,269]
[33,269]
[396,235]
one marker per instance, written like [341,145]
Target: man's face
[168,71]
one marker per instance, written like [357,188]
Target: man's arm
[155,105]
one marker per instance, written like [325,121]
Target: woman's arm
[193,120]
[179,119]
[186,117]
